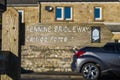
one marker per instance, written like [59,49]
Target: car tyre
[90,71]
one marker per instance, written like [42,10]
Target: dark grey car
[92,62]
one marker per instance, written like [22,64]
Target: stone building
[50,29]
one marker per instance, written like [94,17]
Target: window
[21,16]
[59,13]
[63,13]
[98,13]
[68,13]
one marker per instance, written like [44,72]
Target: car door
[118,52]
[112,56]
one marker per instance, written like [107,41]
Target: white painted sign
[61,34]
[65,29]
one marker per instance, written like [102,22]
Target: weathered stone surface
[83,12]
[47,60]
[10,42]
[31,14]
[62,34]
[10,31]
[40,55]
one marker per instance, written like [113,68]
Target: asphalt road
[61,76]
[51,76]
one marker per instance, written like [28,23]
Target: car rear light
[79,53]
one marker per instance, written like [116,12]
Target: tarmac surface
[51,76]
[60,76]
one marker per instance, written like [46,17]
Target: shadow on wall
[14,67]
[22,34]
[0,36]
[3,5]
[22,42]
[10,64]
[23,71]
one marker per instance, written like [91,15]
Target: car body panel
[108,60]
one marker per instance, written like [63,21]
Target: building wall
[83,12]
[45,58]
[31,14]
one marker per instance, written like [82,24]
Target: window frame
[63,14]
[70,13]
[101,16]
[22,20]
[62,10]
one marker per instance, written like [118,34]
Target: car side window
[118,47]
[109,48]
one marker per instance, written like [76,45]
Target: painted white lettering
[31,29]
[65,39]
[74,29]
[43,39]
[58,39]
[59,29]
[82,29]
[87,28]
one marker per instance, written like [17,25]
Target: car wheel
[90,71]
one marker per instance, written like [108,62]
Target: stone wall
[10,42]
[31,14]
[83,12]
[55,55]
[116,36]
[42,59]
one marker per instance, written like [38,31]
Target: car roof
[112,43]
